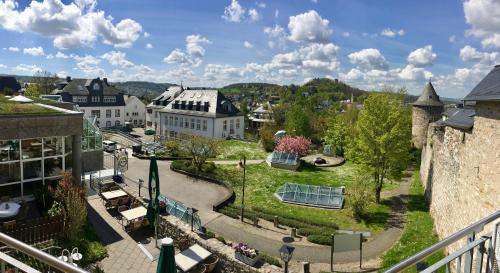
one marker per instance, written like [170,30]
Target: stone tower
[428,108]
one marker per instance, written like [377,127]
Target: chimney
[68,78]
[105,80]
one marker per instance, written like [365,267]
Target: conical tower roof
[429,97]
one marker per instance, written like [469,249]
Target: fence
[37,230]
[180,211]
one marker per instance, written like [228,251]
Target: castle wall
[421,117]
[461,171]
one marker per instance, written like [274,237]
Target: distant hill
[141,89]
[239,88]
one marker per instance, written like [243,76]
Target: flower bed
[246,254]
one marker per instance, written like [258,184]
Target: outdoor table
[12,210]
[134,213]
[191,257]
[113,194]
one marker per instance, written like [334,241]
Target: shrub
[210,234]
[208,167]
[173,148]
[298,145]
[266,134]
[360,196]
[56,209]
[269,259]
[320,239]
[221,239]
[306,231]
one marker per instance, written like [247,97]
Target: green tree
[337,134]
[46,80]
[297,122]
[32,90]
[7,91]
[360,195]
[266,134]
[200,148]
[383,137]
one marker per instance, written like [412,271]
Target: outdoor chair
[120,209]
[201,268]
[9,225]
[111,203]
[135,205]
[114,188]
[183,244]
[145,222]
[211,262]
[124,201]
[5,198]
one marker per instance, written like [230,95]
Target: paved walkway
[234,162]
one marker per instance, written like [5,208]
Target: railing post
[2,267]
[469,254]
[479,257]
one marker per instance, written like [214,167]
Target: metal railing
[463,259]
[35,253]
[126,136]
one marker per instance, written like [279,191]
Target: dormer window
[96,87]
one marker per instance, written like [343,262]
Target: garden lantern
[286,253]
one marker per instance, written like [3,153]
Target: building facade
[427,109]
[260,116]
[135,111]
[202,112]
[158,103]
[95,98]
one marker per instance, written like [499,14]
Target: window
[96,87]
[204,125]
[108,113]
[31,148]
[109,99]
[231,126]
[95,113]
[96,99]
[192,123]
[156,114]
[135,122]
[171,133]
[224,125]
[198,124]
[32,169]
[117,113]
[149,111]
[52,146]
[181,122]
[11,172]
[171,121]
[176,121]
[117,123]
[9,150]
[79,99]
[186,123]
[108,123]
[238,124]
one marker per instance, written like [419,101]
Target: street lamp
[242,165]
[192,211]
[286,252]
[141,182]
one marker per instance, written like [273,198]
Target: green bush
[173,148]
[221,239]
[208,167]
[210,234]
[292,220]
[91,247]
[306,231]
[269,259]
[320,239]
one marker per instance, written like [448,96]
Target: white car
[109,146]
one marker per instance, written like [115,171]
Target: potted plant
[246,254]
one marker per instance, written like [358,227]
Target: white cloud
[452,39]
[411,72]
[368,59]
[388,32]
[117,58]
[277,36]
[13,49]
[3,66]
[470,54]
[194,53]
[254,15]
[34,51]
[261,5]
[234,12]
[28,68]
[61,55]
[309,27]
[354,75]
[276,13]
[72,25]
[484,18]
[314,1]
[346,34]
[146,34]
[88,65]
[247,44]
[222,73]
[149,46]
[422,56]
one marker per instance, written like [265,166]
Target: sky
[367,44]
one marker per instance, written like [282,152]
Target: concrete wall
[461,171]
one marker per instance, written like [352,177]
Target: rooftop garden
[15,108]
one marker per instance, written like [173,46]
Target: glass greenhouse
[284,158]
[308,195]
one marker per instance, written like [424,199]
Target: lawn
[263,181]
[234,149]
[418,232]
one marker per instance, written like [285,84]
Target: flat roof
[8,108]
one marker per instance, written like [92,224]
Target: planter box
[246,260]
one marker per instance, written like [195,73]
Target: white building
[135,111]
[158,103]
[202,112]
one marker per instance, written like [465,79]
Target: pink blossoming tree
[294,144]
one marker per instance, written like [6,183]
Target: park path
[234,162]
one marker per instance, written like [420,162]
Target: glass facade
[91,137]
[27,164]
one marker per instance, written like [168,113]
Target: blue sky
[368,44]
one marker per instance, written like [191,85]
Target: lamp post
[286,253]
[242,165]
[192,211]
[141,182]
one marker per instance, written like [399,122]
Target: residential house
[202,112]
[261,115]
[158,103]
[135,111]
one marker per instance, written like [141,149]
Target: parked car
[109,146]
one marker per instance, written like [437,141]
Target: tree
[7,91]
[337,134]
[46,80]
[383,137]
[294,144]
[360,195]
[32,90]
[266,134]
[297,122]
[200,148]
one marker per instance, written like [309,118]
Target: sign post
[347,242]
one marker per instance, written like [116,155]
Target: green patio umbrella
[166,262]
[154,192]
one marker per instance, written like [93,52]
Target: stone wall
[461,171]
[178,230]
[421,117]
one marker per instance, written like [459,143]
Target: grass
[418,232]
[263,181]
[14,108]
[234,149]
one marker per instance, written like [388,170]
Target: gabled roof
[214,99]
[461,118]
[164,98]
[488,88]
[429,97]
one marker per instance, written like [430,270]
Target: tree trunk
[378,189]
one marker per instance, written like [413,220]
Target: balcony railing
[480,253]
[7,261]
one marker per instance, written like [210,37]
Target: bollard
[276,224]
[305,267]
[294,232]
[256,222]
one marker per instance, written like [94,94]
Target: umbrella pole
[156,230]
